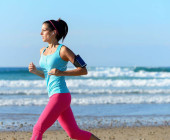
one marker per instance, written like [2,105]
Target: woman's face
[46,33]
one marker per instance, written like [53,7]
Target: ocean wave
[23,92]
[120,91]
[86,91]
[14,70]
[22,83]
[96,72]
[88,100]
[118,72]
[152,69]
[118,83]
[88,83]
[128,99]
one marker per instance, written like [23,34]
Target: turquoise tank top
[55,84]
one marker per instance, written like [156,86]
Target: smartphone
[80,61]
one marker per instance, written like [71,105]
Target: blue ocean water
[106,97]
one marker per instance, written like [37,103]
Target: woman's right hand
[32,68]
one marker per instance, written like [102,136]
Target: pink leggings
[58,108]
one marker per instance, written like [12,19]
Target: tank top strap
[58,49]
[44,49]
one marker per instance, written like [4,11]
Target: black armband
[79,62]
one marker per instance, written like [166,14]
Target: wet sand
[123,133]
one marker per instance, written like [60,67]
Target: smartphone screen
[80,60]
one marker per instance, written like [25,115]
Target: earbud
[51,35]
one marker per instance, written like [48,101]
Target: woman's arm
[67,55]
[32,68]
[76,72]
[40,73]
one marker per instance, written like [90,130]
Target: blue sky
[104,33]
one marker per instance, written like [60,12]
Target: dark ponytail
[59,25]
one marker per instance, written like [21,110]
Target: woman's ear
[54,32]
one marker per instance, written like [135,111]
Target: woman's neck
[53,44]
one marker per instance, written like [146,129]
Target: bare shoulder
[65,49]
[66,53]
[42,50]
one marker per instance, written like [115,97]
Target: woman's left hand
[55,72]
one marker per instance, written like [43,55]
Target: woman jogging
[53,62]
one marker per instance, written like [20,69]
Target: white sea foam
[23,92]
[87,100]
[125,72]
[86,91]
[120,91]
[119,83]
[128,99]
[88,83]
[23,102]
[22,83]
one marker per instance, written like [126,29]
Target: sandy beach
[123,133]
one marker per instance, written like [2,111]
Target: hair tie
[58,19]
